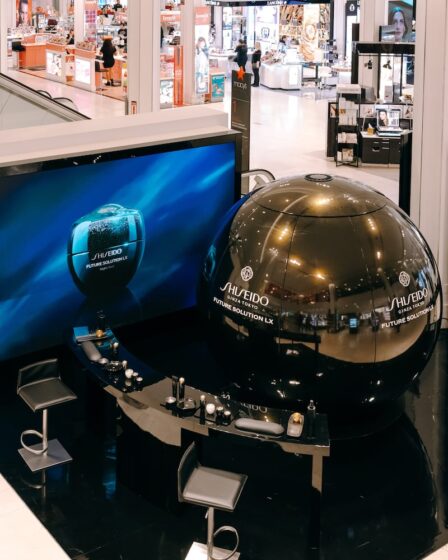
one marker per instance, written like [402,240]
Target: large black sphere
[318,287]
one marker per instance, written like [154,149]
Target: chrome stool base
[38,460]
[37,449]
[198,551]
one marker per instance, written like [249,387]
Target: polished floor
[90,104]
[14,513]
[288,130]
[288,137]
[385,495]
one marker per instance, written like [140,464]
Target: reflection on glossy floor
[288,137]
[385,496]
[288,130]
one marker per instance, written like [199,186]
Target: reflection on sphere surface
[319,287]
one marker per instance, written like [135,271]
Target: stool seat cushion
[214,488]
[45,393]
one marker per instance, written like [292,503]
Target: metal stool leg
[37,450]
[210,532]
[200,551]
[46,454]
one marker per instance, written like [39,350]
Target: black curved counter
[143,402]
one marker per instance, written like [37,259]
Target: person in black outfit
[256,61]
[108,51]
[241,54]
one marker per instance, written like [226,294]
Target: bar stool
[40,386]
[213,489]
[99,72]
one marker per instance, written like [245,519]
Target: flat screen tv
[124,232]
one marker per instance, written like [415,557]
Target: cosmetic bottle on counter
[181,389]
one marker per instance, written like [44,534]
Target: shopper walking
[241,54]
[256,61]
[108,51]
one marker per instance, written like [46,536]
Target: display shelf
[348,99]
[330,51]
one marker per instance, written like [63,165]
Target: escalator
[22,106]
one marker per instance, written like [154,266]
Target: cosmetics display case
[391,66]
[170,409]
[281,76]
[59,62]
[138,368]
[84,75]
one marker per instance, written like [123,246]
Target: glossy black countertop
[144,401]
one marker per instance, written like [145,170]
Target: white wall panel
[144,55]
[430,144]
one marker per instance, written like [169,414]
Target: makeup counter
[289,71]
[161,412]
[134,328]
[62,62]
[165,406]
[85,75]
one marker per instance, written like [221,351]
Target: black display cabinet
[393,64]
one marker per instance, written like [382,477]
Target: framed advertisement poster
[218,85]
[23,12]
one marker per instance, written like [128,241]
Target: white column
[7,19]
[187,22]
[3,37]
[339,25]
[144,55]
[63,9]
[218,26]
[10,12]
[372,15]
[79,20]
[429,190]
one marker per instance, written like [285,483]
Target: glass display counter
[60,62]
[281,76]
[222,61]
[85,69]
[282,70]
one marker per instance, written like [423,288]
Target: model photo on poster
[202,69]
[23,12]
[400,17]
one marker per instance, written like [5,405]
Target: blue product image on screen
[165,205]
[106,248]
